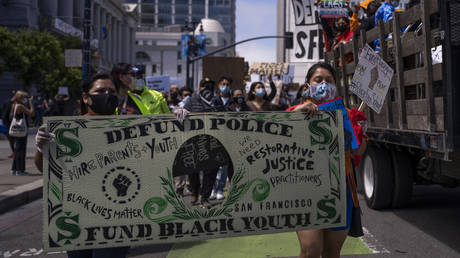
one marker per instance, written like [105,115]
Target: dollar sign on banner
[66,223]
[324,136]
[73,147]
[326,209]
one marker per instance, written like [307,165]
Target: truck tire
[377,178]
[403,178]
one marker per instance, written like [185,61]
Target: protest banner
[351,143]
[159,83]
[109,180]
[308,35]
[372,79]
[333,8]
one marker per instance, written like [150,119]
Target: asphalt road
[427,228]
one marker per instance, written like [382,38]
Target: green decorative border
[157,205]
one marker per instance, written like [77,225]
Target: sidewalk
[18,190]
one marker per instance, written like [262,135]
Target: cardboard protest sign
[109,180]
[158,83]
[372,79]
[333,9]
[351,142]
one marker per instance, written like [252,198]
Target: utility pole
[86,49]
[191,53]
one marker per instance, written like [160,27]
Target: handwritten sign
[372,79]
[333,9]
[158,83]
[351,142]
[109,181]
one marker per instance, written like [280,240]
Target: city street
[427,228]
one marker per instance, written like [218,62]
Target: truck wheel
[403,182]
[377,178]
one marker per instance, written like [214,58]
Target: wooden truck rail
[417,111]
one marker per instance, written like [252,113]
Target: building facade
[65,18]
[160,54]
[156,14]
[161,24]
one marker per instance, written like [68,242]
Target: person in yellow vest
[152,99]
[130,103]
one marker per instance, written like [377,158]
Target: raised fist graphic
[121,183]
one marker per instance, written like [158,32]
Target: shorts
[349,212]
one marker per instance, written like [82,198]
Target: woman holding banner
[98,98]
[320,88]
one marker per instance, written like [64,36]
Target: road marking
[268,245]
[24,253]
[372,243]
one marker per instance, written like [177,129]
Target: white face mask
[137,84]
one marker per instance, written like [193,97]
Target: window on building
[179,57]
[179,69]
[181,9]
[181,2]
[154,68]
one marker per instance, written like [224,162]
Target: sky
[256,18]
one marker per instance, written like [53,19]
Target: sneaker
[23,173]
[13,173]
[220,196]
[213,195]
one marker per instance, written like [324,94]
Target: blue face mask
[260,92]
[225,90]
[323,91]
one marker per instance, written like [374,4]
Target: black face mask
[104,104]
[206,94]
[238,100]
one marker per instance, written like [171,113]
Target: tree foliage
[38,57]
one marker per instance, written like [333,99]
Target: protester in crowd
[21,108]
[39,106]
[152,99]
[302,94]
[6,110]
[173,98]
[129,102]
[185,94]
[202,103]
[64,105]
[49,107]
[367,23]
[258,100]
[326,242]
[98,98]
[238,102]
[342,25]
[223,95]
[247,83]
